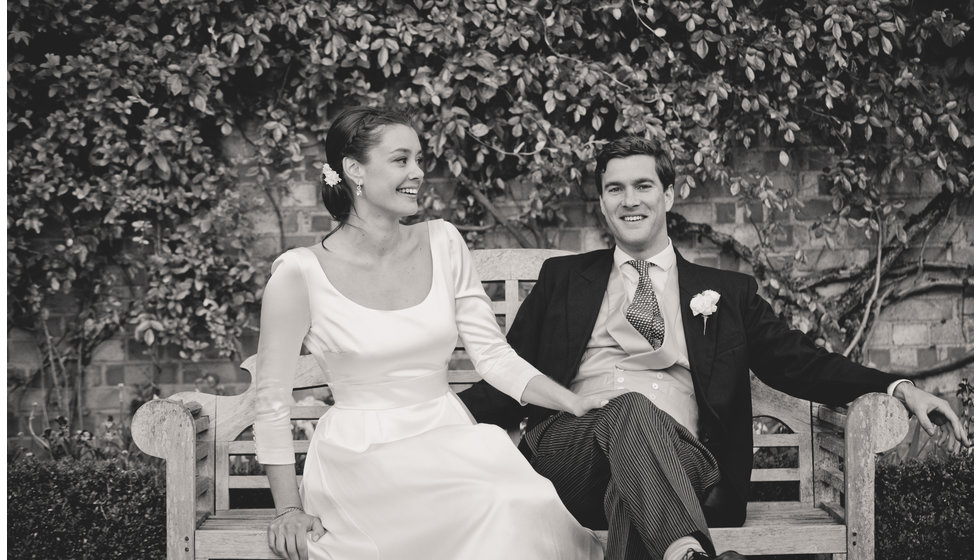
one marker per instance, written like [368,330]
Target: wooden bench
[200,436]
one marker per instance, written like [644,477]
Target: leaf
[199,103]
[162,163]
[175,84]
[783,158]
[789,59]
[479,130]
[701,48]
[954,133]
[941,162]
[660,32]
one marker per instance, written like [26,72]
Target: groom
[673,452]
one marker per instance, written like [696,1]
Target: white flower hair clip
[330,177]
[705,304]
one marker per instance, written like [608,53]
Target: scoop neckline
[432,280]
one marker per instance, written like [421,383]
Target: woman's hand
[586,403]
[287,534]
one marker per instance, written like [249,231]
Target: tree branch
[871,299]
[929,287]
[848,274]
[947,366]
[924,221]
[483,200]
[678,225]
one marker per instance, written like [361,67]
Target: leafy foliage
[924,509]
[141,132]
[85,509]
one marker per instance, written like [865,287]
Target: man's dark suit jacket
[556,319]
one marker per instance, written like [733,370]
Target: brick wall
[916,333]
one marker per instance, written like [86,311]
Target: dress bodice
[355,344]
[378,359]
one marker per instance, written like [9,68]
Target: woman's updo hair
[352,134]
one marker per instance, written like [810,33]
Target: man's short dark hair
[634,146]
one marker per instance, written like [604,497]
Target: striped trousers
[635,463]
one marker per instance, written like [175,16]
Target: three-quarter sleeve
[284,322]
[494,359]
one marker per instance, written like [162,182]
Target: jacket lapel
[586,289]
[701,337]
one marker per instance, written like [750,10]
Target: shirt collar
[665,259]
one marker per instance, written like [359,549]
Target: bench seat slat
[828,537]
[243,532]
[801,529]
[244,542]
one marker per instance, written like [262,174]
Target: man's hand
[935,414]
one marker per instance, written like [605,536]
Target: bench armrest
[178,433]
[875,423]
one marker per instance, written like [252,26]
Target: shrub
[924,509]
[85,509]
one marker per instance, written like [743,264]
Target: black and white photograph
[490,280]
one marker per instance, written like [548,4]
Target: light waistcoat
[618,357]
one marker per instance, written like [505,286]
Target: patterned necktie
[644,312]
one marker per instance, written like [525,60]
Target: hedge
[85,509]
[924,509]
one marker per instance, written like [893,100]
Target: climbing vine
[125,195]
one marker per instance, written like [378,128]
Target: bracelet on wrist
[287,510]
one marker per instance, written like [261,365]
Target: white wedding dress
[398,469]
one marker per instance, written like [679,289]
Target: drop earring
[359,191]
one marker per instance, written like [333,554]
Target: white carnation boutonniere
[705,304]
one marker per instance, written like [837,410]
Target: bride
[397,469]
